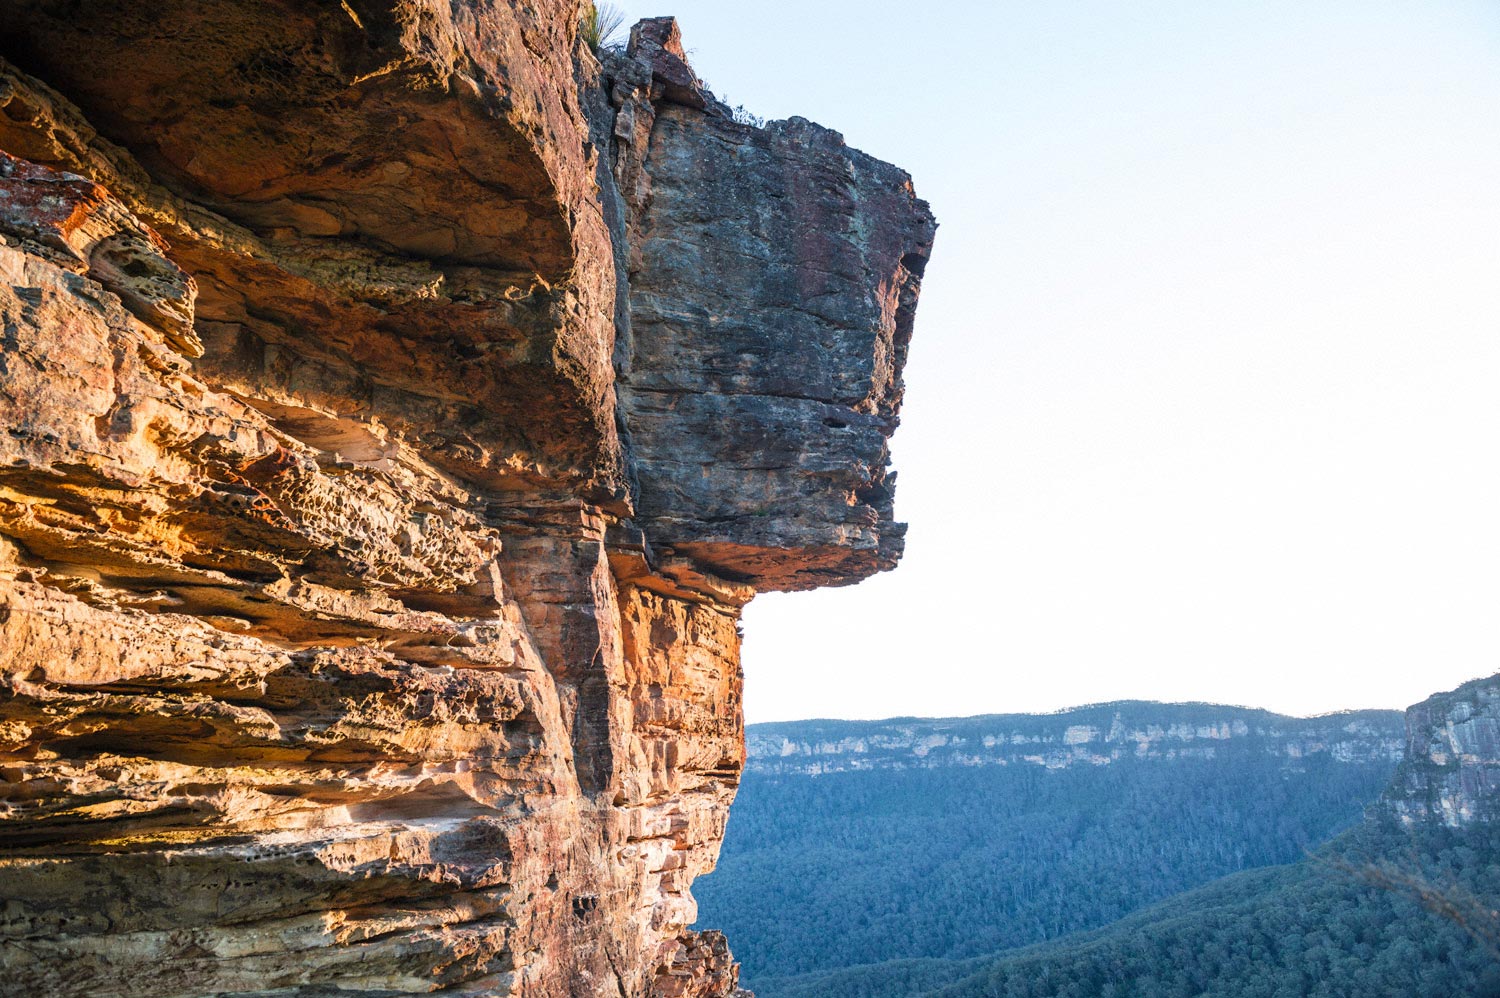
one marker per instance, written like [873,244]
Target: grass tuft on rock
[601,26]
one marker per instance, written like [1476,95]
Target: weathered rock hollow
[398,404]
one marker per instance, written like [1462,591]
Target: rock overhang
[353,121]
[395,187]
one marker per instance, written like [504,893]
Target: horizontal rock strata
[398,404]
[1098,735]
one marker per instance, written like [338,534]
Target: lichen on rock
[399,407]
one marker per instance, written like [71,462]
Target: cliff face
[399,406]
[1087,736]
[1450,774]
[773,277]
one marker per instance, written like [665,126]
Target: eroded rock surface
[773,281]
[1451,771]
[397,407]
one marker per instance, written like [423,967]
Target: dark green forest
[1380,913]
[935,867]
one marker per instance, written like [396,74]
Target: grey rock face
[773,276]
[1451,773]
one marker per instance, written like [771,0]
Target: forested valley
[1380,913]
[920,849]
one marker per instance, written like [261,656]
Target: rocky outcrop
[773,275]
[1451,771]
[399,406]
[1097,735]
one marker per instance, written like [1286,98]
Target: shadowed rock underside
[399,405]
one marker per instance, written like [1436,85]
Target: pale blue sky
[1204,398]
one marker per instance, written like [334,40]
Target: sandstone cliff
[399,405]
[1097,735]
[1450,774]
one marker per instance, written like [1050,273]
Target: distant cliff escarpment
[1085,736]
[398,404]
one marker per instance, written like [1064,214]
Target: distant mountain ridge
[1096,734]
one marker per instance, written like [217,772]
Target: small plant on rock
[601,26]
[739,113]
